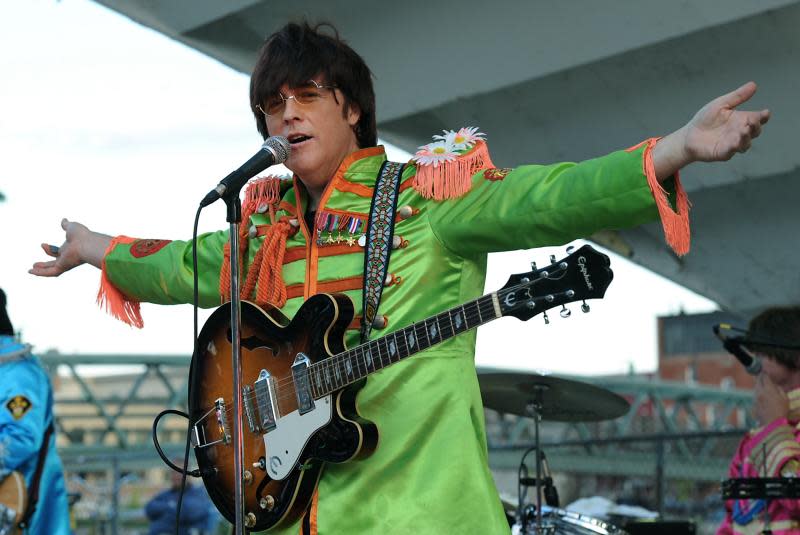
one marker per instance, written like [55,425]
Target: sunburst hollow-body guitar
[300,383]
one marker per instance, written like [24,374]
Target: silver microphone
[275,150]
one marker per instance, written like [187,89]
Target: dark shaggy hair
[298,53]
[779,326]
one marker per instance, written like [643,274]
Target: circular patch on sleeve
[496,173]
[142,248]
[18,406]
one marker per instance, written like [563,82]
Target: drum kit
[544,397]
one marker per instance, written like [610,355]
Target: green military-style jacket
[430,471]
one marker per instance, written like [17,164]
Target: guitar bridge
[222,420]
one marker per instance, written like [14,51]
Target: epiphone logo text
[584,272]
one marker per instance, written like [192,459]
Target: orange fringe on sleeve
[675,223]
[113,300]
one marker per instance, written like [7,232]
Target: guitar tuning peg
[585,308]
[565,312]
[552,259]
[570,249]
[546,319]
[533,266]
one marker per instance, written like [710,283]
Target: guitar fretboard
[336,372]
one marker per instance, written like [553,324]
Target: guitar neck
[584,274]
[340,370]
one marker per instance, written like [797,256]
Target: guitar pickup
[266,399]
[302,386]
[249,409]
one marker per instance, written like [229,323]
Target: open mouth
[297,139]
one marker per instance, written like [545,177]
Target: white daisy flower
[435,153]
[464,139]
[447,133]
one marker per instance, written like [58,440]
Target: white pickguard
[285,443]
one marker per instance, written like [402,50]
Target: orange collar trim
[343,167]
[339,174]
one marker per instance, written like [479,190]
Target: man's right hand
[81,246]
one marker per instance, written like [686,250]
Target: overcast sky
[118,127]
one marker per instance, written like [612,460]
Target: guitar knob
[250,520]
[585,307]
[552,259]
[267,502]
[570,249]
[546,319]
[565,312]
[533,266]
[261,464]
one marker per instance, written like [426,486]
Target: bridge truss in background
[105,406]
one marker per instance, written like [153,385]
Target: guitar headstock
[584,274]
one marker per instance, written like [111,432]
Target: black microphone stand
[234,217]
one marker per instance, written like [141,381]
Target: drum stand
[534,410]
[545,397]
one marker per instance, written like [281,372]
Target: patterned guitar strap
[378,246]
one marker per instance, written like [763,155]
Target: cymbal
[561,400]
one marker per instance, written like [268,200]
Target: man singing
[429,473]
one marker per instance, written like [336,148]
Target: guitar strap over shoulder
[378,246]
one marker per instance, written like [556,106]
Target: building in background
[689,352]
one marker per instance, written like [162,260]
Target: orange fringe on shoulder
[675,223]
[266,189]
[113,300]
[452,179]
[262,190]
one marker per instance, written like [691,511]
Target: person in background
[197,515]
[27,432]
[773,449]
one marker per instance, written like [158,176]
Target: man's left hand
[719,130]
[715,133]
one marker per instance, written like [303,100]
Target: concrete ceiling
[569,80]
